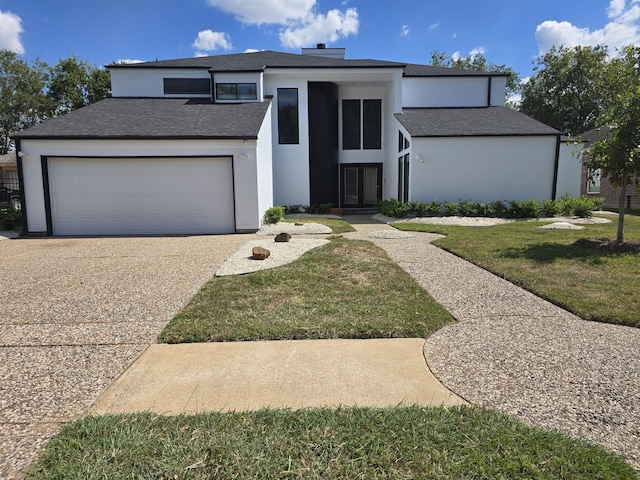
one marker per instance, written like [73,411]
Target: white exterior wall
[445,92]
[142,82]
[290,162]
[245,172]
[264,165]
[569,170]
[482,169]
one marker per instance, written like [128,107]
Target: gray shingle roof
[157,118]
[463,122]
[258,61]
[414,70]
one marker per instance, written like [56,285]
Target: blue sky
[513,32]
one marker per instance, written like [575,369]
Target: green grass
[345,289]
[338,225]
[347,443]
[594,285]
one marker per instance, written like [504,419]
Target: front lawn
[595,285]
[347,443]
[345,289]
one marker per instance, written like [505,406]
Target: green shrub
[10,219]
[434,208]
[499,209]
[550,208]
[393,208]
[597,203]
[419,209]
[274,214]
[565,205]
[293,209]
[450,209]
[526,209]
[582,207]
[465,208]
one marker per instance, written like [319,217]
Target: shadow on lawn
[550,252]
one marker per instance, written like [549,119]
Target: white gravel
[562,226]
[489,221]
[282,253]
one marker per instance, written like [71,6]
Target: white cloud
[476,51]
[405,30]
[301,22]
[251,50]
[265,11]
[316,28]
[10,30]
[455,56]
[208,40]
[622,30]
[434,26]
[125,61]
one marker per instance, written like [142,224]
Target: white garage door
[128,196]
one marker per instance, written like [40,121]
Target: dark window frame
[234,91]
[186,86]
[288,116]
[361,124]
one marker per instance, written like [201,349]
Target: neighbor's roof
[133,118]
[259,61]
[468,122]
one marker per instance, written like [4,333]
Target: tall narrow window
[351,124]
[372,124]
[288,128]
[593,180]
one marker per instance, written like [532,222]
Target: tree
[618,154]
[74,83]
[22,99]
[567,87]
[480,63]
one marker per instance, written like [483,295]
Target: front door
[361,185]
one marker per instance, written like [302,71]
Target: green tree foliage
[480,63]
[566,89]
[31,93]
[22,99]
[618,154]
[75,83]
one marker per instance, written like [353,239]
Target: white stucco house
[206,145]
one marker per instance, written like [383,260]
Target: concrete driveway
[75,314]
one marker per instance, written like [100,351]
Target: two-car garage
[143,195]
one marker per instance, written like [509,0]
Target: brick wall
[611,195]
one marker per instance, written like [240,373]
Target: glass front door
[361,185]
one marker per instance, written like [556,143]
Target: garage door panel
[115,196]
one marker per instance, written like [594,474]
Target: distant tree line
[33,92]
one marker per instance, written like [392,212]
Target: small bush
[10,219]
[434,208]
[450,209]
[499,209]
[550,208]
[393,208]
[465,208]
[274,214]
[293,209]
[565,206]
[597,203]
[582,207]
[526,209]
[419,209]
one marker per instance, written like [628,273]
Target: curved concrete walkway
[517,353]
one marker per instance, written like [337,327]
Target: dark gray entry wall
[323,142]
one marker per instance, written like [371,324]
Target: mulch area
[608,245]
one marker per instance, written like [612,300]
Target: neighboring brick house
[599,186]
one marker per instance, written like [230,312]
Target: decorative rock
[283,237]
[298,224]
[260,253]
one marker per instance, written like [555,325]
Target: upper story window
[236,91]
[187,86]
[288,128]
[362,124]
